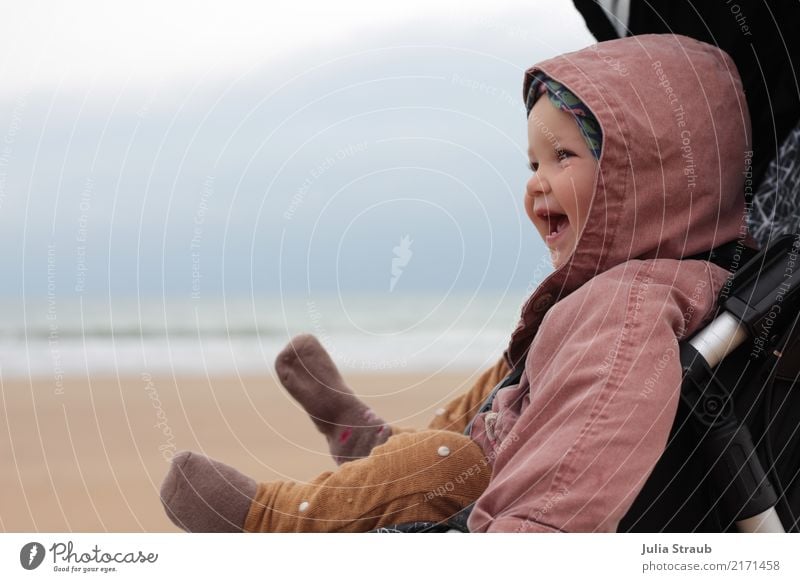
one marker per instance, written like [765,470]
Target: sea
[46,337]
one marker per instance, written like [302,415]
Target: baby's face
[558,194]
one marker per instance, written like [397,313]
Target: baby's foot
[203,495]
[308,373]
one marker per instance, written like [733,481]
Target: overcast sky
[207,147]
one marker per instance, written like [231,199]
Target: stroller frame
[762,308]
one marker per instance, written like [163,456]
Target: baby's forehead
[546,122]
[545,111]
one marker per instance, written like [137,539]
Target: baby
[637,149]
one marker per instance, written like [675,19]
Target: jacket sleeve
[605,378]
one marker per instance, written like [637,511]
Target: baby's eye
[563,154]
[533,166]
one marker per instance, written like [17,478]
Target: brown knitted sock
[350,426]
[203,495]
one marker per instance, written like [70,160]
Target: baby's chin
[557,259]
[561,253]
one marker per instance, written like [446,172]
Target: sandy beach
[89,454]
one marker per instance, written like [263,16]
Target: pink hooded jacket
[573,443]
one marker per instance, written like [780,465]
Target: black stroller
[733,458]
[732,462]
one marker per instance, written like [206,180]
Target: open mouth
[557,223]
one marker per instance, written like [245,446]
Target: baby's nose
[537,185]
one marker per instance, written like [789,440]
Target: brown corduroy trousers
[426,475]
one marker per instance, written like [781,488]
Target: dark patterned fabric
[415,527]
[776,202]
[456,524]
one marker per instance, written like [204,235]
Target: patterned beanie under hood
[563,100]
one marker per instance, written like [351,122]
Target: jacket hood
[675,154]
